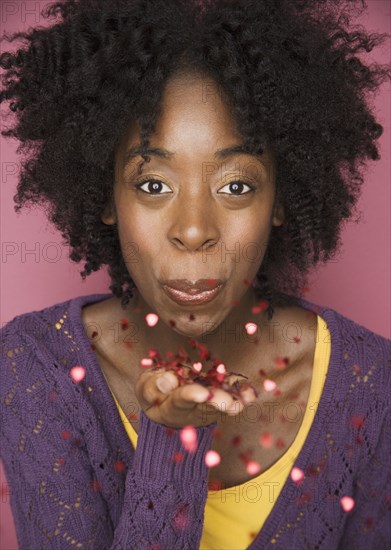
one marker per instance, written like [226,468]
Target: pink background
[36,271]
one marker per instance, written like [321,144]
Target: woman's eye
[237,187]
[154,186]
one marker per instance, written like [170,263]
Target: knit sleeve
[368,524]
[54,497]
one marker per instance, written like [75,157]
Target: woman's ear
[278,215]
[108,217]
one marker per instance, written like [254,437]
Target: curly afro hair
[287,68]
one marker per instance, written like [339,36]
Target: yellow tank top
[234,516]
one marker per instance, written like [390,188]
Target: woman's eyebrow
[220,154]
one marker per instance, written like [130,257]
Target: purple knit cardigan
[75,480]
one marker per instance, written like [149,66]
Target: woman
[206,152]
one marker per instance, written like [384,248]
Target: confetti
[178,457]
[188,437]
[281,362]
[297,474]
[119,466]
[347,503]
[66,434]
[124,323]
[357,421]
[251,328]
[77,373]
[197,367]
[269,385]
[236,440]
[146,362]
[151,319]
[253,467]
[263,304]
[221,369]
[212,458]
[266,440]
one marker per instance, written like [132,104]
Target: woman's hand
[166,402]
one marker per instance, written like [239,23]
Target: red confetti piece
[119,466]
[277,393]
[247,282]
[262,305]
[152,352]
[369,523]
[217,433]
[95,485]
[359,440]
[169,431]
[280,443]
[357,369]
[281,362]
[347,503]
[151,319]
[296,339]
[236,440]
[65,434]
[77,373]
[94,334]
[191,317]
[53,395]
[181,519]
[188,437]
[132,416]
[252,535]
[92,347]
[124,323]
[357,421]
[266,440]
[236,303]
[60,461]
[262,372]
[215,485]
[178,457]
[212,458]
[172,323]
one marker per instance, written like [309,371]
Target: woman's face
[203,216]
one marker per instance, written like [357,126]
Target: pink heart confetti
[251,328]
[221,369]
[77,373]
[188,437]
[266,440]
[197,366]
[347,503]
[269,385]
[212,458]
[146,362]
[253,467]
[297,474]
[151,319]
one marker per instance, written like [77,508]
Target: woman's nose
[194,225]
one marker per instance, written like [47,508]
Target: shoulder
[365,354]
[37,350]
